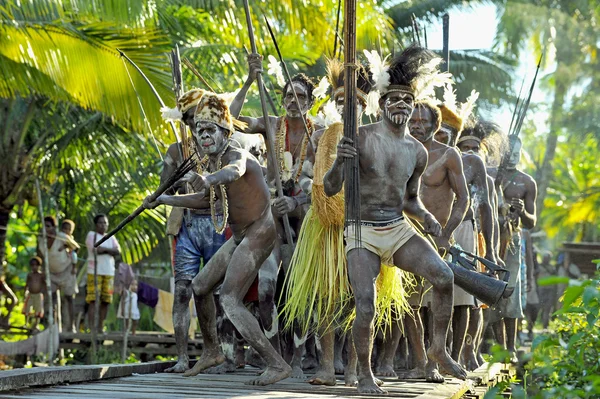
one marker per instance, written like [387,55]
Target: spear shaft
[268,127]
[352,180]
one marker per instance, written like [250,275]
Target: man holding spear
[236,179]
[390,165]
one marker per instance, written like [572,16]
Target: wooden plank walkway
[171,386]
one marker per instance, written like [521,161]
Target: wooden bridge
[146,380]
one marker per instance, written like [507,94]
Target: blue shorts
[195,244]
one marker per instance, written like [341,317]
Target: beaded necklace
[213,198]
[282,143]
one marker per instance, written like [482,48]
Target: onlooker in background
[125,309]
[105,255]
[62,270]
[35,287]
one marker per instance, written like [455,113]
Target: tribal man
[391,164]
[318,263]
[444,193]
[482,139]
[195,238]
[291,149]
[519,193]
[466,310]
[237,180]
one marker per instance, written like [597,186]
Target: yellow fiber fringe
[318,291]
[317,285]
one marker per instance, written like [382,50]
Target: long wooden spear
[187,165]
[268,128]
[446,45]
[352,181]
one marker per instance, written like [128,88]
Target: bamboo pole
[47,271]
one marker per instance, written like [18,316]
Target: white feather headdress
[379,68]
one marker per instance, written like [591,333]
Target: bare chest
[386,159]
[436,173]
[514,188]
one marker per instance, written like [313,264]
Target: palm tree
[57,53]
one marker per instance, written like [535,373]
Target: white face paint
[209,137]
[398,107]
[515,154]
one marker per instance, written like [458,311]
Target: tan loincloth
[383,241]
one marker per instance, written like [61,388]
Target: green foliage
[564,362]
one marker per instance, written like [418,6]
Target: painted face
[35,266]
[470,147]
[339,105]
[397,107]
[102,225]
[209,137]
[421,124]
[289,102]
[515,153]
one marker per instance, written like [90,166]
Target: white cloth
[123,312]
[106,262]
[58,257]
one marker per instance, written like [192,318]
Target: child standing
[35,287]
[129,305]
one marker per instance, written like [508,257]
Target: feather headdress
[335,75]
[274,69]
[379,68]
[328,115]
[321,90]
[187,100]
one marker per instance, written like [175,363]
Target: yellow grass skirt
[318,292]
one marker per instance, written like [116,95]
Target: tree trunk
[4,217]
[544,174]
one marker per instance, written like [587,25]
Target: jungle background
[76,116]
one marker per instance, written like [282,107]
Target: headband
[465,138]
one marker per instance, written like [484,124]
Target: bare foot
[271,376]
[378,381]
[350,379]
[206,361]
[309,363]
[446,363]
[253,359]
[369,386]
[338,365]
[323,378]
[298,373]
[416,373]
[386,371]
[471,361]
[223,368]
[513,357]
[432,374]
[181,366]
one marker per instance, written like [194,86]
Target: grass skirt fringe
[317,284]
